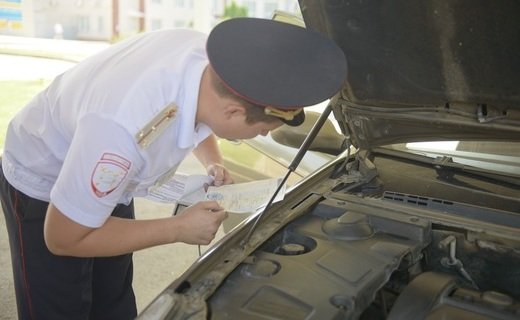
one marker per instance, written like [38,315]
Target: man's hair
[254,113]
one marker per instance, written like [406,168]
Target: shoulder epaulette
[156,126]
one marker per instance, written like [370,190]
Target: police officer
[119,123]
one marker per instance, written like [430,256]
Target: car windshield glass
[490,155]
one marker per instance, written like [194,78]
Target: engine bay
[360,254]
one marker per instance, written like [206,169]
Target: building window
[217,7]
[183,4]
[83,24]
[100,24]
[156,24]
[179,24]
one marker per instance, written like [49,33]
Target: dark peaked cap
[276,64]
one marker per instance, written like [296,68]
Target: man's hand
[209,155]
[199,223]
[220,174]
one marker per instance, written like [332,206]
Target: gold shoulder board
[156,126]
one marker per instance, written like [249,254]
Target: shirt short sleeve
[102,160]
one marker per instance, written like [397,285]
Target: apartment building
[108,20]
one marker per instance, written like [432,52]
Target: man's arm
[197,225]
[208,153]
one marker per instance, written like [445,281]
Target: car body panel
[426,70]
[262,158]
[425,53]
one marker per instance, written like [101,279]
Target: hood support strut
[294,164]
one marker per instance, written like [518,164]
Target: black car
[418,217]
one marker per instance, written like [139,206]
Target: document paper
[236,198]
[246,197]
[181,188]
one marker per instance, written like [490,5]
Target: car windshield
[489,155]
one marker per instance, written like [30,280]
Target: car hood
[426,70]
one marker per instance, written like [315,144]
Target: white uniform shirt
[74,144]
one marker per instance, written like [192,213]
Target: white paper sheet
[246,197]
[236,198]
[181,188]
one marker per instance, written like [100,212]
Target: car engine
[370,250]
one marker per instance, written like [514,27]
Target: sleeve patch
[108,174]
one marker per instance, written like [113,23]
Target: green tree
[234,11]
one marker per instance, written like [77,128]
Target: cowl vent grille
[456,208]
[417,200]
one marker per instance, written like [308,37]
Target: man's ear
[234,109]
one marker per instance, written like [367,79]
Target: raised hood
[425,70]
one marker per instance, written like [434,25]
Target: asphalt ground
[154,268]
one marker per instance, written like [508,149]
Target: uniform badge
[108,174]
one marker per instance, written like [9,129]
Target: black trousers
[56,287]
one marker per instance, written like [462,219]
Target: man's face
[237,128]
